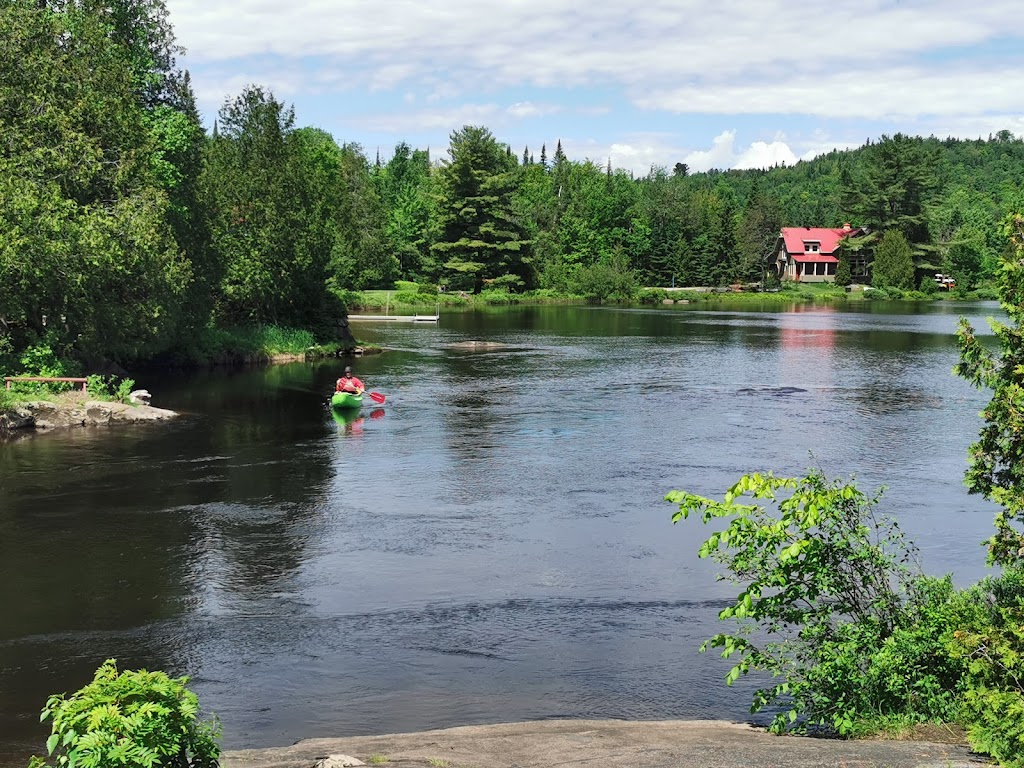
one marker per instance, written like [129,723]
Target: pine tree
[559,154]
[526,155]
[481,237]
[544,156]
[894,263]
[843,273]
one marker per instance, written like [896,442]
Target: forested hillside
[129,230]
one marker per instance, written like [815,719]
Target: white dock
[397,318]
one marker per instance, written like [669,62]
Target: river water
[492,544]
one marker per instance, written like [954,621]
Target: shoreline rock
[46,415]
[607,743]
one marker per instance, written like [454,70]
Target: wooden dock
[396,318]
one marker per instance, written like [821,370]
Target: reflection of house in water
[811,254]
[794,333]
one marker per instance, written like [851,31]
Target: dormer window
[812,246]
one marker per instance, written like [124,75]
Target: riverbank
[607,743]
[406,301]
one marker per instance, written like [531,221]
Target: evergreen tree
[894,188]
[544,156]
[996,461]
[894,263]
[480,236]
[843,274]
[526,155]
[559,154]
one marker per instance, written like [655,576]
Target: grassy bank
[412,299]
[806,293]
[408,302]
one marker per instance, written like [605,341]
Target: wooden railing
[8,380]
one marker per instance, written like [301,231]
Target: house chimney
[846,227]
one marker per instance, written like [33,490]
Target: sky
[722,84]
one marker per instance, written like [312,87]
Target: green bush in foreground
[989,638]
[132,718]
[830,605]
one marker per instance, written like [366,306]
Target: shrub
[829,605]
[108,387]
[929,287]
[990,641]
[652,295]
[406,285]
[408,297]
[495,297]
[135,718]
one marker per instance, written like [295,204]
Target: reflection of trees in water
[106,535]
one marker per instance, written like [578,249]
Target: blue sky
[724,84]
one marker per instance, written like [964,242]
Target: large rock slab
[45,416]
[609,744]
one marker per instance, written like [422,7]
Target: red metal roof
[795,237]
[803,258]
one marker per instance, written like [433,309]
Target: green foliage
[245,343]
[843,275]
[893,187]
[989,639]
[652,295]
[480,236]
[829,604]
[110,388]
[136,718]
[996,460]
[894,264]
[929,287]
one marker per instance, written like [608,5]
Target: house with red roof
[811,254]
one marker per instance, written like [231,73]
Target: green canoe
[344,400]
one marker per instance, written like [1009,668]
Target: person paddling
[349,383]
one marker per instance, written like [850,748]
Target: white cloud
[901,94]
[731,57]
[763,155]
[524,109]
[446,119]
[721,154]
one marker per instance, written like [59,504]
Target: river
[492,544]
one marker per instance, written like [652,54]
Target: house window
[831,269]
[811,246]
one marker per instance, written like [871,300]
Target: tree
[757,231]
[843,274]
[480,235]
[681,170]
[895,185]
[996,460]
[894,264]
[87,258]
[267,188]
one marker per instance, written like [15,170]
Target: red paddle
[377,397]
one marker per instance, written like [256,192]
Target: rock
[49,415]
[475,345]
[140,397]
[16,418]
[338,761]
[668,301]
[46,416]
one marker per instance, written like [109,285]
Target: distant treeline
[126,228]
